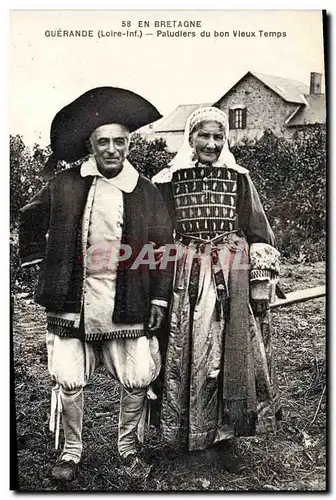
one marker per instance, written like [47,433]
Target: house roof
[289,90]
[175,121]
[311,108]
[314,112]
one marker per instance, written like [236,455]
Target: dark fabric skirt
[203,358]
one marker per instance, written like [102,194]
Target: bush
[25,174]
[290,176]
[25,180]
[149,157]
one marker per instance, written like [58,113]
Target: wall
[174,139]
[265,108]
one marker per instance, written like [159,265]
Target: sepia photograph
[168,197]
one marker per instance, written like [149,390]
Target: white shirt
[101,237]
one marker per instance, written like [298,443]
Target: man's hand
[156,318]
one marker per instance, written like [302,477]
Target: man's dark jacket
[57,210]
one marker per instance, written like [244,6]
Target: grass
[292,459]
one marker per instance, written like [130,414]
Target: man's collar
[126,180]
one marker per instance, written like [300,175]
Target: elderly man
[90,227]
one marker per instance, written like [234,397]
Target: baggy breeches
[134,362]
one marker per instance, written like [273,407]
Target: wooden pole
[300,296]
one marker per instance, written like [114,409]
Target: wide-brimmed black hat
[73,124]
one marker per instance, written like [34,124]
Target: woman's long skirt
[192,403]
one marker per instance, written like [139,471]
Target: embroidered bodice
[205,201]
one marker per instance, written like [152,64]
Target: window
[237,118]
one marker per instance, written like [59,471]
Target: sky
[46,72]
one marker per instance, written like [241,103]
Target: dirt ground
[292,459]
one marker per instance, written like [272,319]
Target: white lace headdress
[185,157]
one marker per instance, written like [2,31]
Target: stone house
[254,103]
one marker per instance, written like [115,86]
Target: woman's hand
[260,294]
[259,307]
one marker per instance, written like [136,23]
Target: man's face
[208,141]
[109,145]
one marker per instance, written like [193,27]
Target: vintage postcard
[167,237]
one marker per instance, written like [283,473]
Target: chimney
[315,83]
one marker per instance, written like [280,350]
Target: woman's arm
[264,257]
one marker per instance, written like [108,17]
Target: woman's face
[207,141]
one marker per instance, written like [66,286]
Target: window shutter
[231,118]
[244,118]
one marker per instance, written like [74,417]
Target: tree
[25,174]
[290,176]
[149,157]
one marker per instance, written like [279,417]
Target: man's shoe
[64,471]
[136,467]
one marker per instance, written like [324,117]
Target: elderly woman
[219,378]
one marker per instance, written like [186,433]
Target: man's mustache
[211,150]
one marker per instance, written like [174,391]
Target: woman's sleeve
[251,215]
[161,235]
[264,257]
[166,193]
